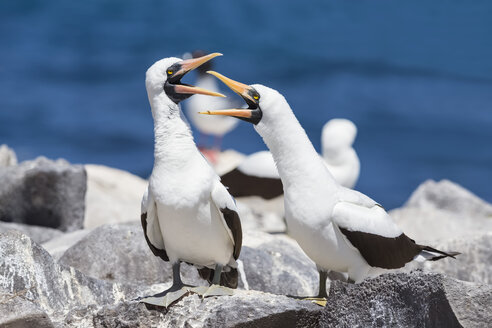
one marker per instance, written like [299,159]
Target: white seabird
[215,126]
[187,214]
[340,229]
[257,174]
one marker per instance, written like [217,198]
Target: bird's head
[258,98]
[165,75]
[338,133]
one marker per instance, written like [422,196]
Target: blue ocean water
[415,77]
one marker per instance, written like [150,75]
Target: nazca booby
[340,229]
[187,214]
[216,126]
[257,174]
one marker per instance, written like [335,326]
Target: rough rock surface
[43,192]
[119,253]
[407,300]
[427,225]
[244,309]
[474,264]
[27,269]
[36,233]
[259,215]
[17,312]
[276,264]
[112,196]
[449,196]
[59,245]
[7,156]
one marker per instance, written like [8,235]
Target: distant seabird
[257,174]
[187,214]
[215,126]
[340,229]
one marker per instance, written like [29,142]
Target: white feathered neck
[299,165]
[173,139]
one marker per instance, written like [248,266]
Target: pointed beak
[244,113]
[244,90]
[189,89]
[253,114]
[186,66]
[190,64]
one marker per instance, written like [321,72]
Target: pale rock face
[7,156]
[36,233]
[27,269]
[449,196]
[119,253]
[113,196]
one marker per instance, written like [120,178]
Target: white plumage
[339,156]
[340,229]
[184,205]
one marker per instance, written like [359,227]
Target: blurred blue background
[415,77]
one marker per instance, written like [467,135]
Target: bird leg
[322,295]
[171,295]
[215,288]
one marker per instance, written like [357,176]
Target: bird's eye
[169,72]
[256,97]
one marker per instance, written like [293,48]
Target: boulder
[36,233]
[261,215]
[276,264]
[119,253]
[431,225]
[474,264]
[17,312]
[112,196]
[7,156]
[407,300]
[27,269]
[244,309]
[44,193]
[449,196]
[59,245]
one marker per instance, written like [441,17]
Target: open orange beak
[186,66]
[252,114]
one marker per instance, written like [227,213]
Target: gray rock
[113,196]
[27,269]
[449,196]
[258,214]
[58,246]
[36,233]
[431,225]
[7,156]
[17,312]
[474,264]
[244,309]
[408,300]
[43,192]
[119,253]
[276,264]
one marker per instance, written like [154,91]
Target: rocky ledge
[88,270]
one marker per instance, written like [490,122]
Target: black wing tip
[444,254]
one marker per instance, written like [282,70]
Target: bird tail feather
[431,254]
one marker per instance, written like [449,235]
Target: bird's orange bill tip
[190,64]
[238,87]
[230,112]
[189,89]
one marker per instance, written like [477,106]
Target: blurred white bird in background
[214,126]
